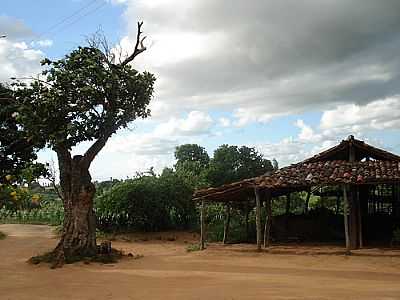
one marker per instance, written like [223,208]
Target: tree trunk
[79,230]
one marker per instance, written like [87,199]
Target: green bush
[147,203]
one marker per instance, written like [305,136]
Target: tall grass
[50,213]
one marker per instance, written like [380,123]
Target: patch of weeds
[193,247]
[2,235]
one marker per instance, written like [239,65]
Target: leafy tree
[232,163]
[147,203]
[192,162]
[17,150]
[85,97]
[224,165]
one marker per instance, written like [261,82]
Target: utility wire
[80,17]
[53,29]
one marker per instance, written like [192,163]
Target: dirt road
[167,271]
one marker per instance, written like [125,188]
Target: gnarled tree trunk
[79,231]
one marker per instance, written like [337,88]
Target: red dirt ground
[168,271]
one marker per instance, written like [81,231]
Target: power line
[81,17]
[69,17]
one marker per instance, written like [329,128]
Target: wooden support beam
[287,210]
[287,213]
[258,217]
[345,215]
[353,211]
[359,217]
[202,226]
[247,221]
[268,222]
[227,222]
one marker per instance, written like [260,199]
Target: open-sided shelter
[369,179]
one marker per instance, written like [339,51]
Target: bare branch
[139,47]
[98,40]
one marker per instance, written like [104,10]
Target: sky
[291,78]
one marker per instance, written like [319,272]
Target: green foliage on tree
[233,163]
[17,149]
[192,162]
[84,97]
[147,203]
[191,153]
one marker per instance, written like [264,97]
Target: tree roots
[57,257]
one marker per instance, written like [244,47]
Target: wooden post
[227,222]
[258,217]
[202,226]
[359,217]
[353,220]
[287,212]
[247,221]
[346,223]
[268,222]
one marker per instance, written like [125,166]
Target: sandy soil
[167,271]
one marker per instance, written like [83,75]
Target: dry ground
[167,271]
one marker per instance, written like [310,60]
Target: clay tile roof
[330,167]
[303,175]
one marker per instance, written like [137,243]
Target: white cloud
[196,123]
[286,151]
[18,60]
[163,139]
[336,124]
[224,122]
[155,148]
[307,134]
[377,115]
[42,43]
